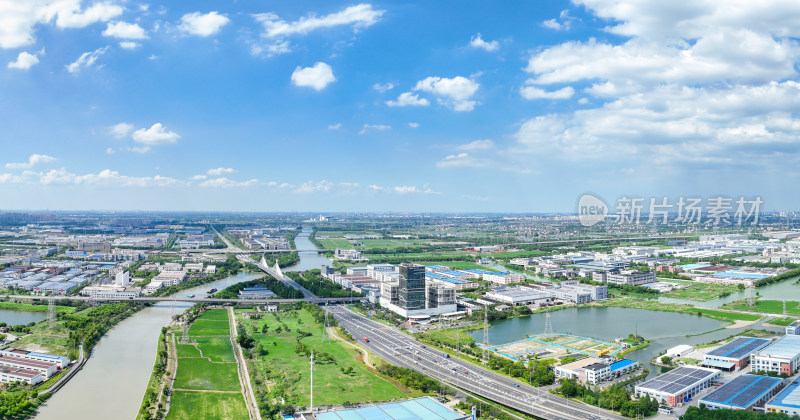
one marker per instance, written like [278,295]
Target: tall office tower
[411,292]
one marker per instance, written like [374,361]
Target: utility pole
[51,312]
[312,381]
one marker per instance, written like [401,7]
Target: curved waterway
[111,384]
[666,329]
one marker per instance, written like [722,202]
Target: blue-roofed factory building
[742,393]
[787,401]
[735,354]
[423,408]
[622,367]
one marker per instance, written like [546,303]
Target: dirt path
[244,374]
[207,390]
[741,324]
[335,334]
[172,369]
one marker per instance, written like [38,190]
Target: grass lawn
[702,291]
[187,405]
[219,349]
[448,337]
[34,308]
[188,350]
[336,243]
[782,321]
[769,306]
[284,367]
[199,373]
[726,316]
[204,327]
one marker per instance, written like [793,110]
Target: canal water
[666,329]
[308,260]
[111,384]
[14,317]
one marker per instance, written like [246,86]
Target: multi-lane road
[402,350]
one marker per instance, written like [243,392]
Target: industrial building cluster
[759,372]
[29,367]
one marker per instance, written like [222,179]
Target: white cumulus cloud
[120,130]
[155,135]
[317,77]
[277,30]
[477,41]
[203,24]
[408,99]
[125,30]
[532,92]
[384,87]
[24,61]
[455,93]
[33,160]
[221,171]
[18,18]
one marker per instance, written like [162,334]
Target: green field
[336,243]
[218,349]
[188,350]
[286,369]
[701,291]
[206,327]
[187,405]
[207,364]
[768,306]
[199,373]
[214,315]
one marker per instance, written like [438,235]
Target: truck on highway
[366,340]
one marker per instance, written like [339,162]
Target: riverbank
[654,305]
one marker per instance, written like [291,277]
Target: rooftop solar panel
[678,379]
[743,391]
[739,347]
[423,408]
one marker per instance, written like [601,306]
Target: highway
[402,350]
[319,301]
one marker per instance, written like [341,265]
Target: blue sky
[395,106]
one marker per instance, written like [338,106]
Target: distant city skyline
[395,106]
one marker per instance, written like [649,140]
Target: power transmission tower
[325,335]
[548,323]
[51,313]
[751,298]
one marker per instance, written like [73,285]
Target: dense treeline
[285,259]
[621,287]
[415,380]
[18,402]
[89,326]
[703,413]
[316,284]
[283,291]
[615,397]
[784,276]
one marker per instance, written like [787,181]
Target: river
[112,383]
[666,329]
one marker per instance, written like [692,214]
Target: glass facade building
[411,292]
